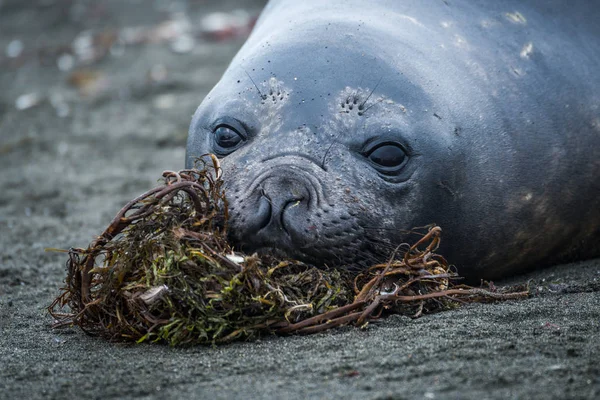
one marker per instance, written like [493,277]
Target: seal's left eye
[227,137]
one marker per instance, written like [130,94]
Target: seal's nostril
[263,214]
[295,202]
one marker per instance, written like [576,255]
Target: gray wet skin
[341,126]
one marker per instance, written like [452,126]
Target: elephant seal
[343,124]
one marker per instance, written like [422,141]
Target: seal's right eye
[388,156]
[228,135]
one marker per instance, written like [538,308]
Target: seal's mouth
[278,252]
[344,248]
[293,253]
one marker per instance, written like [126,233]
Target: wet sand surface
[88,121]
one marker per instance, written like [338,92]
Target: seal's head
[325,146]
[342,125]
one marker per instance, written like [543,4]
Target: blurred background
[95,102]
[80,60]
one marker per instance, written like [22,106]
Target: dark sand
[63,178]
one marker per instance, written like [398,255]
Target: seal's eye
[228,136]
[387,155]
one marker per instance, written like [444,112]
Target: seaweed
[163,271]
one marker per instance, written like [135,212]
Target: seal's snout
[285,208]
[281,202]
[273,212]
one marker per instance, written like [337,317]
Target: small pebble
[28,100]
[14,48]
[235,258]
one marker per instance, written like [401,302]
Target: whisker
[333,141]
[262,96]
[371,106]
[362,105]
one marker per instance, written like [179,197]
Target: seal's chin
[316,260]
[331,250]
[280,253]
[282,245]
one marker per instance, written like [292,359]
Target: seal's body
[344,124]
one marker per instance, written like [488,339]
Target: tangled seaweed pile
[163,271]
